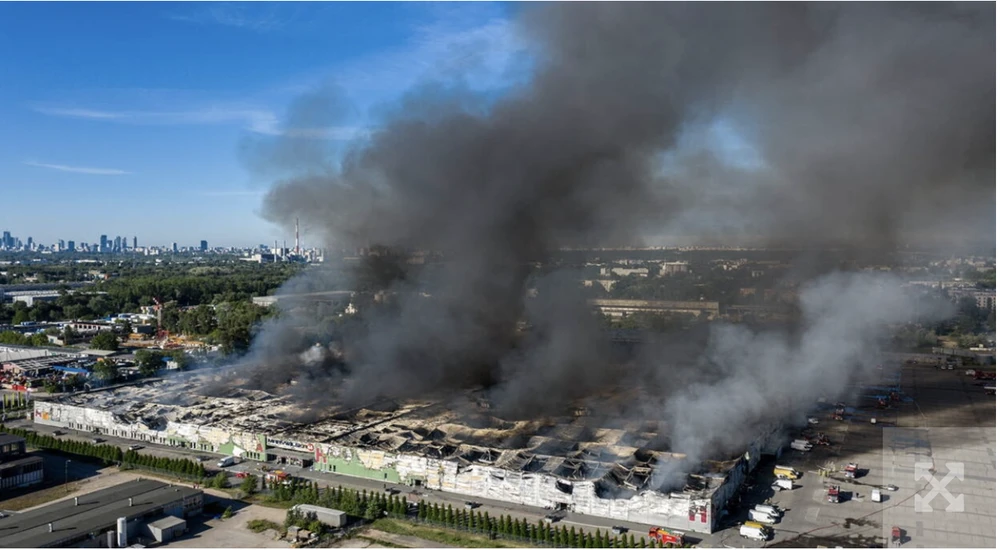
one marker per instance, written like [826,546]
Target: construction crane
[160,333]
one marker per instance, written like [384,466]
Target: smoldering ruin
[871,126]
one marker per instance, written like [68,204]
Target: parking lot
[943,426]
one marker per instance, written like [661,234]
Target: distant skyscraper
[175,248]
[30,242]
[118,244]
[135,243]
[71,246]
[104,243]
[7,241]
[61,245]
[204,246]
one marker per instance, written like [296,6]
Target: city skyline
[157,133]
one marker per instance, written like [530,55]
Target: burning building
[586,463]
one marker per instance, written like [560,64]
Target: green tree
[228,513]
[249,485]
[372,510]
[149,362]
[106,370]
[220,481]
[105,340]
[21,316]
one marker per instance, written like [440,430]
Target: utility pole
[67,476]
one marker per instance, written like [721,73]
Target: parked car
[619,530]
[135,447]
[890,487]
[472,505]
[97,440]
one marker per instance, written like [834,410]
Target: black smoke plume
[872,125]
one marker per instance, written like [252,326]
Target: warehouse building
[624,308]
[17,468]
[109,517]
[589,461]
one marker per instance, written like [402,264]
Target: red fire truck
[833,494]
[666,536]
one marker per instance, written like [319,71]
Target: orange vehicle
[666,536]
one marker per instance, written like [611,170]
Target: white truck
[763,517]
[876,495]
[226,462]
[782,484]
[753,531]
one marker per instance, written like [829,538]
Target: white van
[762,517]
[784,483]
[768,509]
[227,461]
[751,532]
[876,495]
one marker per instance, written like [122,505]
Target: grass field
[440,534]
[40,496]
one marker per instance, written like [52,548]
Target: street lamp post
[67,475]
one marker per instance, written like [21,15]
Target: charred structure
[588,463]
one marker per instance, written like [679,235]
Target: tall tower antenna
[296,236]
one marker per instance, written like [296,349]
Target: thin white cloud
[204,115]
[232,193]
[260,121]
[334,133]
[79,169]
[253,18]
[79,113]
[480,50]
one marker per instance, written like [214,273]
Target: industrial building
[622,308]
[589,461]
[17,468]
[108,517]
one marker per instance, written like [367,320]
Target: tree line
[372,505]
[13,338]
[110,454]
[183,285]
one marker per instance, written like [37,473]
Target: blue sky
[127,119]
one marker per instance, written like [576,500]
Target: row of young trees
[374,505]
[110,454]
[107,453]
[519,529]
[178,466]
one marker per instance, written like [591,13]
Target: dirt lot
[233,532]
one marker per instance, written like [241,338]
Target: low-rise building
[17,467]
[623,308]
[116,514]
